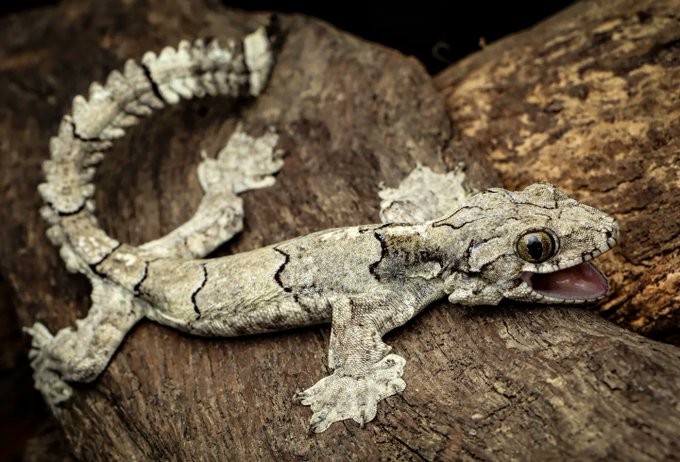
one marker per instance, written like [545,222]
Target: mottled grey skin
[366,280]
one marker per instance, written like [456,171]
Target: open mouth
[582,282]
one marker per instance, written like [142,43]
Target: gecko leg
[423,195]
[81,354]
[245,163]
[365,370]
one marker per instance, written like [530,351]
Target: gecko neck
[422,250]
[453,243]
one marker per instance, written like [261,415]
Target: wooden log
[589,100]
[514,382]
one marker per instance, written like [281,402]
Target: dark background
[437,33]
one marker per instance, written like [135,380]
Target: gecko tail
[192,70]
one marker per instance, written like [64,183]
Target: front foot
[342,396]
[46,366]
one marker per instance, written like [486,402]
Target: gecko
[533,245]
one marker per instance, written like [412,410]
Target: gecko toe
[340,396]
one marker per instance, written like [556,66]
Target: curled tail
[191,70]
[117,271]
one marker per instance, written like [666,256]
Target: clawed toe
[319,423]
[40,335]
[300,396]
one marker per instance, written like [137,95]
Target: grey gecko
[434,242]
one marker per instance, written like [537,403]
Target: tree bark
[589,100]
[514,382]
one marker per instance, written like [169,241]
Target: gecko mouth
[582,282]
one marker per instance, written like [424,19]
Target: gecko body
[533,245]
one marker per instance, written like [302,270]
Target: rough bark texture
[514,382]
[590,100]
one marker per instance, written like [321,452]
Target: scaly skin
[365,280]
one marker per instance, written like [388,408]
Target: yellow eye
[536,246]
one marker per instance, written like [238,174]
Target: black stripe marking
[154,86]
[279,272]
[93,266]
[452,226]
[137,288]
[68,214]
[453,214]
[373,267]
[80,137]
[193,295]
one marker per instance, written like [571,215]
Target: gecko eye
[536,246]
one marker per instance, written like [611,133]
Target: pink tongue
[581,282]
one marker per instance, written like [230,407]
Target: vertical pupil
[535,247]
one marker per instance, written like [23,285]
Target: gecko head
[532,245]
